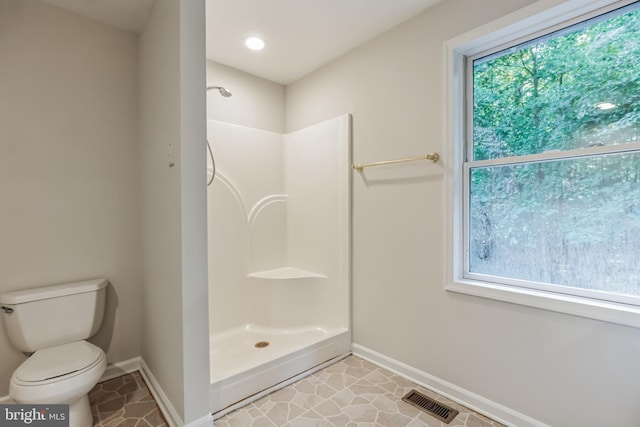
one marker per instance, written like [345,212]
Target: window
[546,196]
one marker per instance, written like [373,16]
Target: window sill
[622,314]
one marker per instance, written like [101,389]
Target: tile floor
[350,393]
[124,402]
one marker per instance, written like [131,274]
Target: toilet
[52,323]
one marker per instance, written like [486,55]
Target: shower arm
[224,92]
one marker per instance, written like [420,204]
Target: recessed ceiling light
[254,43]
[605,105]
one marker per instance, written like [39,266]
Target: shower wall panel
[279,227]
[317,162]
[248,169]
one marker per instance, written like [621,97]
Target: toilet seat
[61,374]
[57,363]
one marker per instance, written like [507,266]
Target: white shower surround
[279,254]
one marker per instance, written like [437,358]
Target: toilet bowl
[51,323]
[60,375]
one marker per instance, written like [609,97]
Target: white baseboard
[206,421]
[167,409]
[457,394]
[137,364]
[119,369]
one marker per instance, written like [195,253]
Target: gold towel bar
[431,156]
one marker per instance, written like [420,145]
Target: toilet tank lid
[52,291]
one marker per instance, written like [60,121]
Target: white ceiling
[128,15]
[300,35]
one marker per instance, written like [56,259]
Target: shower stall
[279,256]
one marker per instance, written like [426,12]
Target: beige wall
[172,120]
[88,115]
[193,203]
[530,360]
[160,129]
[68,169]
[256,102]
[70,207]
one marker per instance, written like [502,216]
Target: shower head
[220,89]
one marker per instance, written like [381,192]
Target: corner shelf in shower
[286,273]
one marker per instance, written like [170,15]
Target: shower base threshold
[248,360]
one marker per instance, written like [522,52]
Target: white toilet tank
[47,316]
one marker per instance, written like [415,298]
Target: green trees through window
[553,170]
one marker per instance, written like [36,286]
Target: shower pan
[279,256]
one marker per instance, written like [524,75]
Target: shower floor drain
[262,344]
[430,406]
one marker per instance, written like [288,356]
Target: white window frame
[528,22]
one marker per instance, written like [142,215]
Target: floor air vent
[430,406]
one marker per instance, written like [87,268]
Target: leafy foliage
[572,222]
